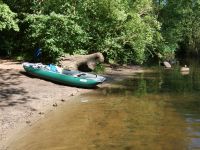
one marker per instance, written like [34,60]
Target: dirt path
[24,100]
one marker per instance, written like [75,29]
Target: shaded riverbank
[25,100]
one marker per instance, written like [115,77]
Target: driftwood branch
[81,62]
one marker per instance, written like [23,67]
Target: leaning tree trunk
[81,62]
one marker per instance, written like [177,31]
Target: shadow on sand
[11,93]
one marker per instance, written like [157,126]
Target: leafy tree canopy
[125,31]
[7,18]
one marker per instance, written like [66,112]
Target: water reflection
[153,111]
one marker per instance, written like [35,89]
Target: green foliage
[191,23]
[125,31]
[140,33]
[180,24]
[121,29]
[8,27]
[7,18]
[56,34]
[99,68]
[21,6]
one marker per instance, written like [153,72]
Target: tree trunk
[81,62]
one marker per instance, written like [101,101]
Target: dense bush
[125,31]
[56,34]
[8,25]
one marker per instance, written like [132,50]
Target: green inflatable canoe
[67,77]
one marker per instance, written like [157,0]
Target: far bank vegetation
[124,31]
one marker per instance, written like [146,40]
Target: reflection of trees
[174,81]
[142,87]
[171,81]
[157,116]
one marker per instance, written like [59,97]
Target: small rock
[185,69]
[167,64]
[41,113]
[62,100]
[72,94]
[55,105]
[28,121]
[33,109]
[84,101]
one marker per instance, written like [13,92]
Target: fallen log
[81,62]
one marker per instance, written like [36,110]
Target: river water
[149,111]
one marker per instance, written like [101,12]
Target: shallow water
[153,111]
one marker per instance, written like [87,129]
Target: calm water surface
[150,111]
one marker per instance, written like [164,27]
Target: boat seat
[79,74]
